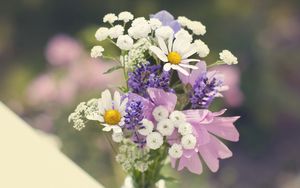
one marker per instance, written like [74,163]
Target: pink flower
[233,96]
[157,97]
[206,124]
[42,89]
[63,50]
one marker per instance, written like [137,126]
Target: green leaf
[113,69]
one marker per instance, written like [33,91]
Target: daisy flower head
[111,111]
[175,54]
[96,51]
[227,57]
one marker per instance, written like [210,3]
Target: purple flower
[133,120]
[167,19]
[206,85]
[148,76]
[204,91]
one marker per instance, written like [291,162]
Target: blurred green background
[45,70]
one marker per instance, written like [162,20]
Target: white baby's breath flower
[148,127]
[177,117]
[184,21]
[175,151]
[164,32]
[197,27]
[125,42]
[116,31]
[117,137]
[140,28]
[184,34]
[125,16]
[154,23]
[227,57]
[202,48]
[154,140]
[101,34]
[96,51]
[160,113]
[110,18]
[185,128]
[188,141]
[165,127]
[139,21]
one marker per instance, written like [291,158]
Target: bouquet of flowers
[162,113]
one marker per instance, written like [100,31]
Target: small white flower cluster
[138,53]
[227,57]
[82,111]
[130,156]
[195,26]
[166,124]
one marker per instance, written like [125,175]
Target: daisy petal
[183,71]
[117,100]
[106,99]
[170,42]
[162,45]
[167,67]
[189,60]
[188,66]
[159,53]
[190,52]
[107,128]
[116,129]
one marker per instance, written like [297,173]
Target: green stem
[216,63]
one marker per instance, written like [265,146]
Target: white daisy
[175,54]
[111,111]
[227,57]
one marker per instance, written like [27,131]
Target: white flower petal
[170,43]
[116,129]
[162,45]
[183,71]
[106,99]
[117,100]
[159,53]
[190,52]
[101,107]
[107,128]
[189,60]
[188,66]
[123,105]
[167,67]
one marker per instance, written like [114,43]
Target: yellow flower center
[112,117]
[174,58]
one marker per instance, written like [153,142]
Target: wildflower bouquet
[162,111]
